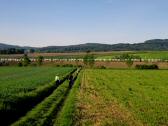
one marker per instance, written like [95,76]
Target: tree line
[12,51]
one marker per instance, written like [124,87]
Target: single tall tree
[40,60]
[26,61]
[89,59]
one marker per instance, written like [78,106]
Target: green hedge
[153,66]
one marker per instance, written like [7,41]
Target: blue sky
[66,22]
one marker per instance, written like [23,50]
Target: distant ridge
[151,45]
[6,46]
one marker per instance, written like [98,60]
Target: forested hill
[14,49]
[5,46]
[155,44]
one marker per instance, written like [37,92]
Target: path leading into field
[55,114]
[46,112]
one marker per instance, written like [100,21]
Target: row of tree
[88,60]
[12,51]
[26,61]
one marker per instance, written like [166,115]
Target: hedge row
[153,66]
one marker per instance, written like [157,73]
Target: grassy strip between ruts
[16,106]
[66,117]
[43,112]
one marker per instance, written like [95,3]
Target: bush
[20,64]
[26,61]
[40,60]
[58,65]
[102,67]
[129,62]
[4,63]
[153,66]
[89,59]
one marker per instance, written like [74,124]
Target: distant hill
[5,46]
[14,49]
[151,45]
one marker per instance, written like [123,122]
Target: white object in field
[56,78]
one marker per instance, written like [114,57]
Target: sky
[67,22]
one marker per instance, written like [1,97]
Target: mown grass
[66,117]
[123,97]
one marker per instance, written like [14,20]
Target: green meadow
[143,54]
[123,97]
[98,97]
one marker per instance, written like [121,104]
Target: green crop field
[143,54]
[153,55]
[14,80]
[56,109]
[99,97]
[123,97]
[22,88]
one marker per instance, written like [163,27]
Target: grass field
[14,80]
[123,97]
[42,114]
[153,55]
[99,97]
[56,109]
[22,88]
[143,54]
